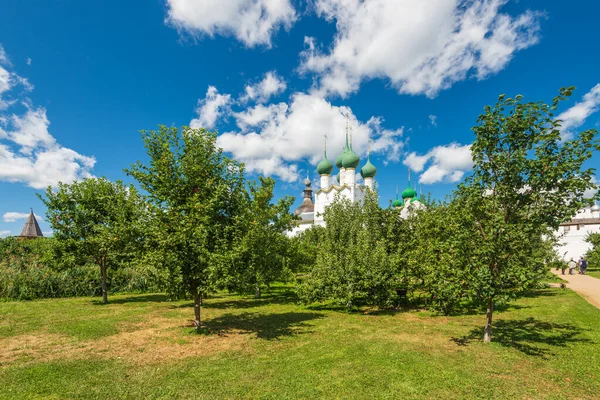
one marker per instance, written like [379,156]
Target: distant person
[582,265]
[572,265]
[563,267]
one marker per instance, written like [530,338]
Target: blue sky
[78,80]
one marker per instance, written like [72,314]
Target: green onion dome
[350,160]
[397,203]
[368,170]
[409,193]
[324,167]
[415,199]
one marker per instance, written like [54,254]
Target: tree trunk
[487,335]
[197,303]
[257,292]
[104,288]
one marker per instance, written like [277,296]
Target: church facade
[343,185]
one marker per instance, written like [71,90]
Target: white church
[344,185]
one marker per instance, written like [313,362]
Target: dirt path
[585,285]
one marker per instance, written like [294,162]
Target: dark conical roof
[307,205]
[31,228]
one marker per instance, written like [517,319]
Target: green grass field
[547,346]
[595,272]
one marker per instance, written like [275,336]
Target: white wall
[572,242]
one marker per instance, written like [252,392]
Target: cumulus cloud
[576,115]
[446,163]
[15,216]
[421,47]
[271,85]
[210,108]
[4,233]
[252,22]
[272,138]
[28,152]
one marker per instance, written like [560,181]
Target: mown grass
[595,272]
[547,345]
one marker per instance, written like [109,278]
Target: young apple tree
[197,195]
[528,177]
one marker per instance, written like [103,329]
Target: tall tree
[526,180]
[197,196]
[262,247]
[94,221]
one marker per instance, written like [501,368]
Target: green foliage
[353,265]
[28,272]
[261,251]
[593,255]
[95,221]
[526,180]
[303,248]
[196,196]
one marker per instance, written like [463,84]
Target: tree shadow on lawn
[147,298]
[220,301]
[529,335]
[265,326]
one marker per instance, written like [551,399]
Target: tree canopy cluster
[202,227]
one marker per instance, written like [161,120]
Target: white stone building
[572,234]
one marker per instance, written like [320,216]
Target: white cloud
[3,56]
[14,216]
[31,130]
[446,163]
[272,138]
[210,108]
[576,115]
[271,85]
[253,22]
[421,47]
[9,80]
[44,166]
[4,233]
[433,119]
[28,61]
[28,152]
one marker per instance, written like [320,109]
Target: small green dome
[397,203]
[324,167]
[368,170]
[409,193]
[415,199]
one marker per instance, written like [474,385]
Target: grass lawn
[546,346]
[595,272]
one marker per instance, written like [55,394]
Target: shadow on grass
[529,336]
[265,326]
[275,296]
[154,298]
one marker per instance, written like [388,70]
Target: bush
[27,272]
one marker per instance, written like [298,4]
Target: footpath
[585,285]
